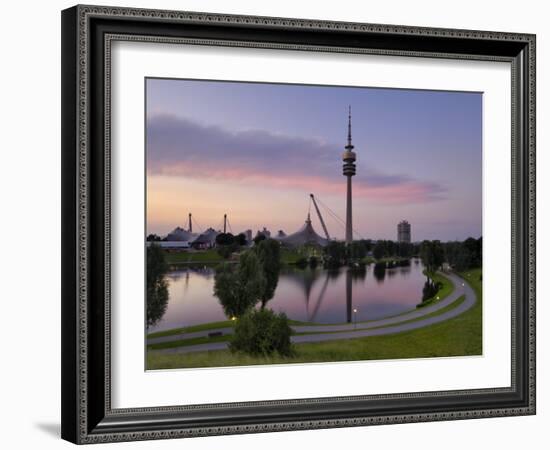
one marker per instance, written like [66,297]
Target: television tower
[348,157]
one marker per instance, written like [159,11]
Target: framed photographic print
[279,224]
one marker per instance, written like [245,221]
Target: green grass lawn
[200,256]
[459,336]
[289,256]
[209,326]
[192,329]
[227,337]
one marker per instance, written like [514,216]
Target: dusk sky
[255,151]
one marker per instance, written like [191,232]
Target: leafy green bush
[430,289]
[262,333]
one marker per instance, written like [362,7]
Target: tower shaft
[349,213]
[349,157]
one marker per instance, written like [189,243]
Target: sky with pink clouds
[256,150]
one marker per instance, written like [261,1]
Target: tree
[335,253]
[367,243]
[269,255]
[432,255]
[464,255]
[379,272]
[356,250]
[430,289]
[225,239]
[379,250]
[240,239]
[259,237]
[404,249]
[157,288]
[239,288]
[153,237]
[262,333]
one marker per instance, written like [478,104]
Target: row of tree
[339,253]
[227,243]
[464,255]
[459,255]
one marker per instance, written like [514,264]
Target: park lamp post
[355,317]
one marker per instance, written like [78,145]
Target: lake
[310,295]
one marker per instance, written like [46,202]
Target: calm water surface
[312,295]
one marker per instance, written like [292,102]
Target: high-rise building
[348,157]
[404,231]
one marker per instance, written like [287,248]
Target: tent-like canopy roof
[306,235]
[179,234]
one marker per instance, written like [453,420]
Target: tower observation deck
[349,157]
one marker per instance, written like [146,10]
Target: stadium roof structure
[208,237]
[306,235]
[179,234]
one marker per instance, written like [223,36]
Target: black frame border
[87,31]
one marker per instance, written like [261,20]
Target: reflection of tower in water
[307,278]
[349,294]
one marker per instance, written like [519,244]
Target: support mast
[320,216]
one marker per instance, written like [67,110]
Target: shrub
[430,289]
[262,333]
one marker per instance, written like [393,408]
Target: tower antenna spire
[350,145]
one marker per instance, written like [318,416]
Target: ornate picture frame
[87,35]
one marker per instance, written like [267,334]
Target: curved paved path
[390,325]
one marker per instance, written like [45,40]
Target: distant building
[404,232]
[206,240]
[248,234]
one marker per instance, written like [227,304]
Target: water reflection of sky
[315,295]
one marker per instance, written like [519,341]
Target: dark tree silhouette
[157,288]
[239,288]
[432,255]
[269,255]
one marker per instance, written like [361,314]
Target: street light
[355,317]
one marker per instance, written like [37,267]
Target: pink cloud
[403,190]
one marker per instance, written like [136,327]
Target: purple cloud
[181,147]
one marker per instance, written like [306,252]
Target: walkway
[390,325]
